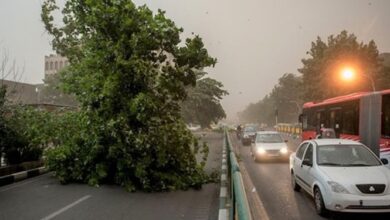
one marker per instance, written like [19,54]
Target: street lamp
[297,104]
[348,74]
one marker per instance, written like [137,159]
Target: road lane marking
[223,192]
[223,214]
[24,183]
[54,214]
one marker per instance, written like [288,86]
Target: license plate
[375,203]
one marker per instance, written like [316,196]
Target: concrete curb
[15,177]
[223,193]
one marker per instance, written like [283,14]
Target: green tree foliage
[30,130]
[202,105]
[52,92]
[129,74]
[383,79]
[24,132]
[285,98]
[321,71]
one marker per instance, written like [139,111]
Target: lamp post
[297,104]
[372,81]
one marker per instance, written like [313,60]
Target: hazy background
[254,41]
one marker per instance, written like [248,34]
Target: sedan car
[248,134]
[341,175]
[269,145]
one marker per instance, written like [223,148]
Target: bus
[363,117]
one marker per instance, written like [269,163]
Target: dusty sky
[255,41]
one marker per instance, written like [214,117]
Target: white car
[341,175]
[269,145]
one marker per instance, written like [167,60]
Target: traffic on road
[322,179]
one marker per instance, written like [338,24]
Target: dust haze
[254,41]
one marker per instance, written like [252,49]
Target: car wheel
[319,203]
[294,183]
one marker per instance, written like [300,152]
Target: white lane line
[24,183]
[223,192]
[223,177]
[223,214]
[54,214]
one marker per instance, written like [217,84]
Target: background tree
[383,80]
[285,98]
[202,105]
[130,76]
[321,71]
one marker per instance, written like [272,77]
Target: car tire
[294,183]
[319,203]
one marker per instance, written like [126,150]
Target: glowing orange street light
[348,74]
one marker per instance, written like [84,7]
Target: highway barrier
[292,129]
[233,203]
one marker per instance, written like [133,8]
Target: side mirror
[307,162]
[384,161]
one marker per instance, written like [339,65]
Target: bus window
[303,120]
[350,120]
[310,118]
[386,116]
[321,120]
[335,121]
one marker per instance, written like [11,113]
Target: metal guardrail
[239,206]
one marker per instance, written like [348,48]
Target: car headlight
[260,150]
[284,150]
[337,187]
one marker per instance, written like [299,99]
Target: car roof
[335,141]
[267,132]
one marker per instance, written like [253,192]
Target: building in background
[54,63]
[22,93]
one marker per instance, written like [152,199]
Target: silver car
[341,175]
[269,145]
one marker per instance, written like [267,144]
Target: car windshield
[250,129]
[346,156]
[268,138]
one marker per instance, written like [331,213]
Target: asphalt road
[272,183]
[45,198]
